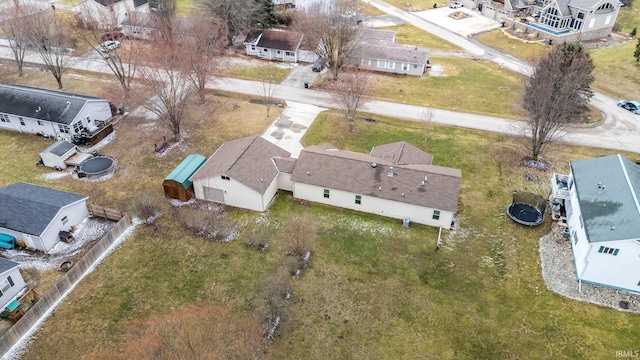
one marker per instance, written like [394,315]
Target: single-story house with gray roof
[241,173]
[177,185]
[50,112]
[378,51]
[36,215]
[11,281]
[275,45]
[600,200]
[391,184]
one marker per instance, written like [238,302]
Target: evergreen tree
[267,13]
[636,53]
[634,32]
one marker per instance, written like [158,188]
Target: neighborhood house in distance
[600,197]
[37,217]
[395,180]
[60,115]
[11,281]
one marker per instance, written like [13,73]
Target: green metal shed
[177,184]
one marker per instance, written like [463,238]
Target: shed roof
[29,208]
[42,104]
[608,189]
[59,148]
[326,166]
[7,265]
[186,169]
[280,40]
[248,160]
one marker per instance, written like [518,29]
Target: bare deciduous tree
[268,87]
[237,15]
[49,35]
[427,118]
[333,34]
[350,94]
[556,94]
[202,43]
[13,26]
[122,62]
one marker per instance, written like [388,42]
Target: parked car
[113,35]
[109,45]
[318,65]
[455,5]
[630,105]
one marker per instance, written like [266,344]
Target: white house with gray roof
[600,198]
[50,112]
[37,216]
[395,180]
[378,51]
[241,173]
[11,281]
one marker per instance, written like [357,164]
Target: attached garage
[177,185]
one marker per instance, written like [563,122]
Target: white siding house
[395,180]
[241,173]
[11,281]
[35,216]
[275,45]
[378,51]
[108,14]
[49,112]
[600,199]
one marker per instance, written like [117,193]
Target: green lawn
[260,73]
[629,18]
[617,73]
[523,50]
[479,87]
[411,35]
[374,290]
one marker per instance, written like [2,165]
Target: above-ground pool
[527,208]
[97,166]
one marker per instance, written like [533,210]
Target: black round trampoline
[527,208]
[97,166]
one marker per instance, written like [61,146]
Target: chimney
[390,174]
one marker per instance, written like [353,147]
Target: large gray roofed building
[608,189]
[29,208]
[419,184]
[41,104]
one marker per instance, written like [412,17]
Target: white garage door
[212,194]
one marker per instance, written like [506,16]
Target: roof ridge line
[242,153]
[629,183]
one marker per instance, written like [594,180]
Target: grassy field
[411,35]
[523,50]
[629,18]
[617,73]
[478,87]
[417,5]
[374,290]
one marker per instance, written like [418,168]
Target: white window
[607,20]
[21,121]
[40,123]
[592,22]
[253,47]
[4,118]
[5,285]
[391,65]
[405,67]
[65,220]
[381,64]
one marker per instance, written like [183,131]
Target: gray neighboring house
[557,20]
[378,51]
[37,216]
[55,113]
[275,45]
[11,281]
[600,200]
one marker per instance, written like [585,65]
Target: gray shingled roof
[402,153]
[323,165]
[29,208]
[608,189]
[280,40]
[248,160]
[374,35]
[285,164]
[59,148]
[6,265]
[42,104]
[385,50]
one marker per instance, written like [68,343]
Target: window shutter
[10,280]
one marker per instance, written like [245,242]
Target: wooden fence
[58,291]
[103,212]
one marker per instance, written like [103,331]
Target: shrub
[146,207]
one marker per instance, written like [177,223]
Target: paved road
[620,129]
[612,134]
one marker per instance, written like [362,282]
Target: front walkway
[291,125]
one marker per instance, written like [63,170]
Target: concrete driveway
[468,22]
[287,130]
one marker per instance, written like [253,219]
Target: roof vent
[308,173]
[379,188]
[600,186]
[38,109]
[261,180]
[402,194]
[425,179]
[390,174]
[422,182]
[374,165]
[68,104]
